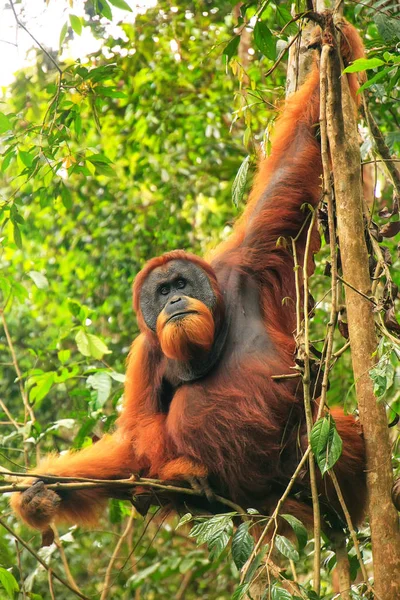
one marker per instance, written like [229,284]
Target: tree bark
[345,156]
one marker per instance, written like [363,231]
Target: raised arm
[287,179]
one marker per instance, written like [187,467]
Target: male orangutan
[200,403]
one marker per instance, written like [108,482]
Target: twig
[341,350]
[28,409]
[275,514]
[40,560]
[377,160]
[61,550]
[309,417]
[51,587]
[382,148]
[302,15]
[186,579]
[107,579]
[9,415]
[328,196]
[282,54]
[20,24]
[21,576]
[352,532]
[356,290]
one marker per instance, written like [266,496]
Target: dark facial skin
[169,287]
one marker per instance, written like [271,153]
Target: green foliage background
[133,153]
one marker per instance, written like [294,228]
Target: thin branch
[186,579]
[51,587]
[282,54]
[28,408]
[61,550]
[342,350]
[288,376]
[275,514]
[309,417]
[40,560]
[382,148]
[9,415]
[20,24]
[352,532]
[328,196]
[21,575]
[369,298]
[107,579]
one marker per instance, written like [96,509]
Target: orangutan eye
[164,290]
[180,284]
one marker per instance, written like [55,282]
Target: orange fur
[180,339]
[180,468]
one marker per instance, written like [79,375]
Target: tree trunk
[345,155]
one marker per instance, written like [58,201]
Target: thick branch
[343,141]
[83,483]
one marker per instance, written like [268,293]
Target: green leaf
[264,40]
[278,593]
[110,92]
[363,64]
[104,9]
[121,4]
[39,279]
[377,77]
[240,591]
[242,545]
[26,158]
[66,197]
[7,160]
[286,547]
[43,384]
[187,564]
[120,377]
[5,123]
[255,564]
[217,543]
[101,382]
[206,530]
[283,17]
[17,236]
[298,528]
[231,48]
[76,24]
[383,376]
[91,345]
[98,158]
[9,583]
[185,519]
[388,28]
[239,183]
[63,33]
[326,443]
[64,355]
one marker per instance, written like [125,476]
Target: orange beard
[180,338]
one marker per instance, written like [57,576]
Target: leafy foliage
[325,443]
